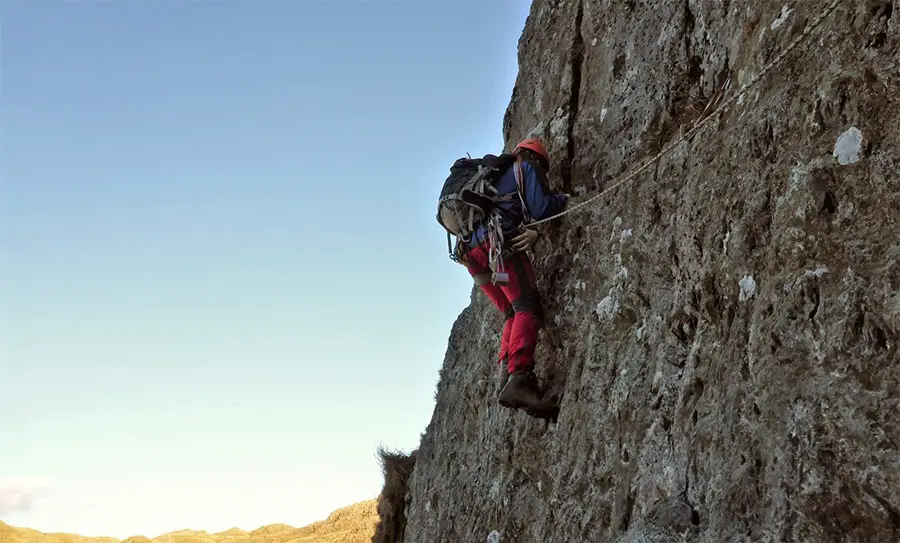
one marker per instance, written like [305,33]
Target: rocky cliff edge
[722,329]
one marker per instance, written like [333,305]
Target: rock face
[726,324]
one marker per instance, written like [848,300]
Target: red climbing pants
[519,301]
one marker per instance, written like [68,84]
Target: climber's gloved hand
[525,240]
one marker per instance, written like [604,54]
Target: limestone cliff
[726,324]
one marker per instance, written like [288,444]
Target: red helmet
[535,145]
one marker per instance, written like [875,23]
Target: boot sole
[535,411]
[512,404]
[550,414]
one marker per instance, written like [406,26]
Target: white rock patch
[748,288]
[607,307]
[785,13]
[847,146]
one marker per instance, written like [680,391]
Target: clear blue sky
[222,281]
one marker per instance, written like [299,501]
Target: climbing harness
[495,230]
[702,123]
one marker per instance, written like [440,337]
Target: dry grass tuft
[396,468]
[686,106]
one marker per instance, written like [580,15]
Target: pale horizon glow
[221,280]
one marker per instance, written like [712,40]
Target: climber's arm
[541,204]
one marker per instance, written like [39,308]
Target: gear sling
[469,199]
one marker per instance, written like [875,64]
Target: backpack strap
[520,190]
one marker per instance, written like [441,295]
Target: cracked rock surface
[722,331]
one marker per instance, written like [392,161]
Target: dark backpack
[469,197]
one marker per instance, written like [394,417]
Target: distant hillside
[352,524]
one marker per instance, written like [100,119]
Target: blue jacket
[541,203]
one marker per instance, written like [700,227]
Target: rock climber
[519,300]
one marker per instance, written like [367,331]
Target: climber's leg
[526,304]
[522,390]
[479,268]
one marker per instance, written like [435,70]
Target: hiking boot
[504,374]
[522,392]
